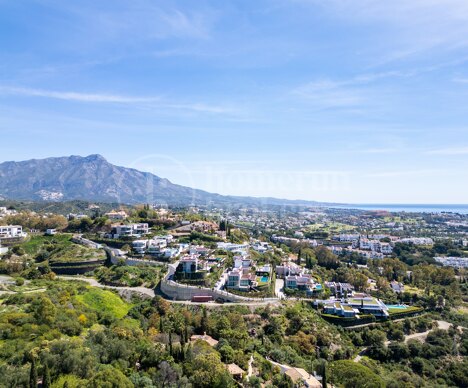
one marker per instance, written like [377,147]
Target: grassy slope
[104,301]
[35,243]
[62,249]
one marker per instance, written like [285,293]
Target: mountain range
[93,178]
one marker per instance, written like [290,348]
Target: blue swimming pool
[396,306]
[265,279]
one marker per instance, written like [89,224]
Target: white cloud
[348,93]
[137,20]
[406,173]
[76,96]
[152,102]
[406,28]
[461,80]
[388,150]
[449,151]
[327,93]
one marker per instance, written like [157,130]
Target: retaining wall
[178,291]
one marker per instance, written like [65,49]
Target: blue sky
[350,101]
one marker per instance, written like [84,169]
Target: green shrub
[350,374]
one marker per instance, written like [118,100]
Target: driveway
[279,285]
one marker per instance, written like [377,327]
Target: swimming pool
[265,279]
[396,306]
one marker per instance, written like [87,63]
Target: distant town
[353,269]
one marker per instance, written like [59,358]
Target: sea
[410,208]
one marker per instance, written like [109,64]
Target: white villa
[288,269]
[233,247]
[117,215]
[12,231]
[139,246]
[129,230]
[241,279]
[191,264]
[349,307]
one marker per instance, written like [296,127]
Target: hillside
[93,178]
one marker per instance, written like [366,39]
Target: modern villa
[351,307]
[11,231]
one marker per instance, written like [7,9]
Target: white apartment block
[418,240]
[386,248]
[367,245]
[345,237]
[456,262]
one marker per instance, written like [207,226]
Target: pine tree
[188,352]
[324,375]
[182,338]
[204,321]
[161,325]
[46,377]
[170,343]
[183,353]
[33,374]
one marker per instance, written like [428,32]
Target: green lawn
[372,301]
[413,290]
[104,301]
[409,309]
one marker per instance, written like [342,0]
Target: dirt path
[279,285]
[442,325]
[150,292]
[249,373]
